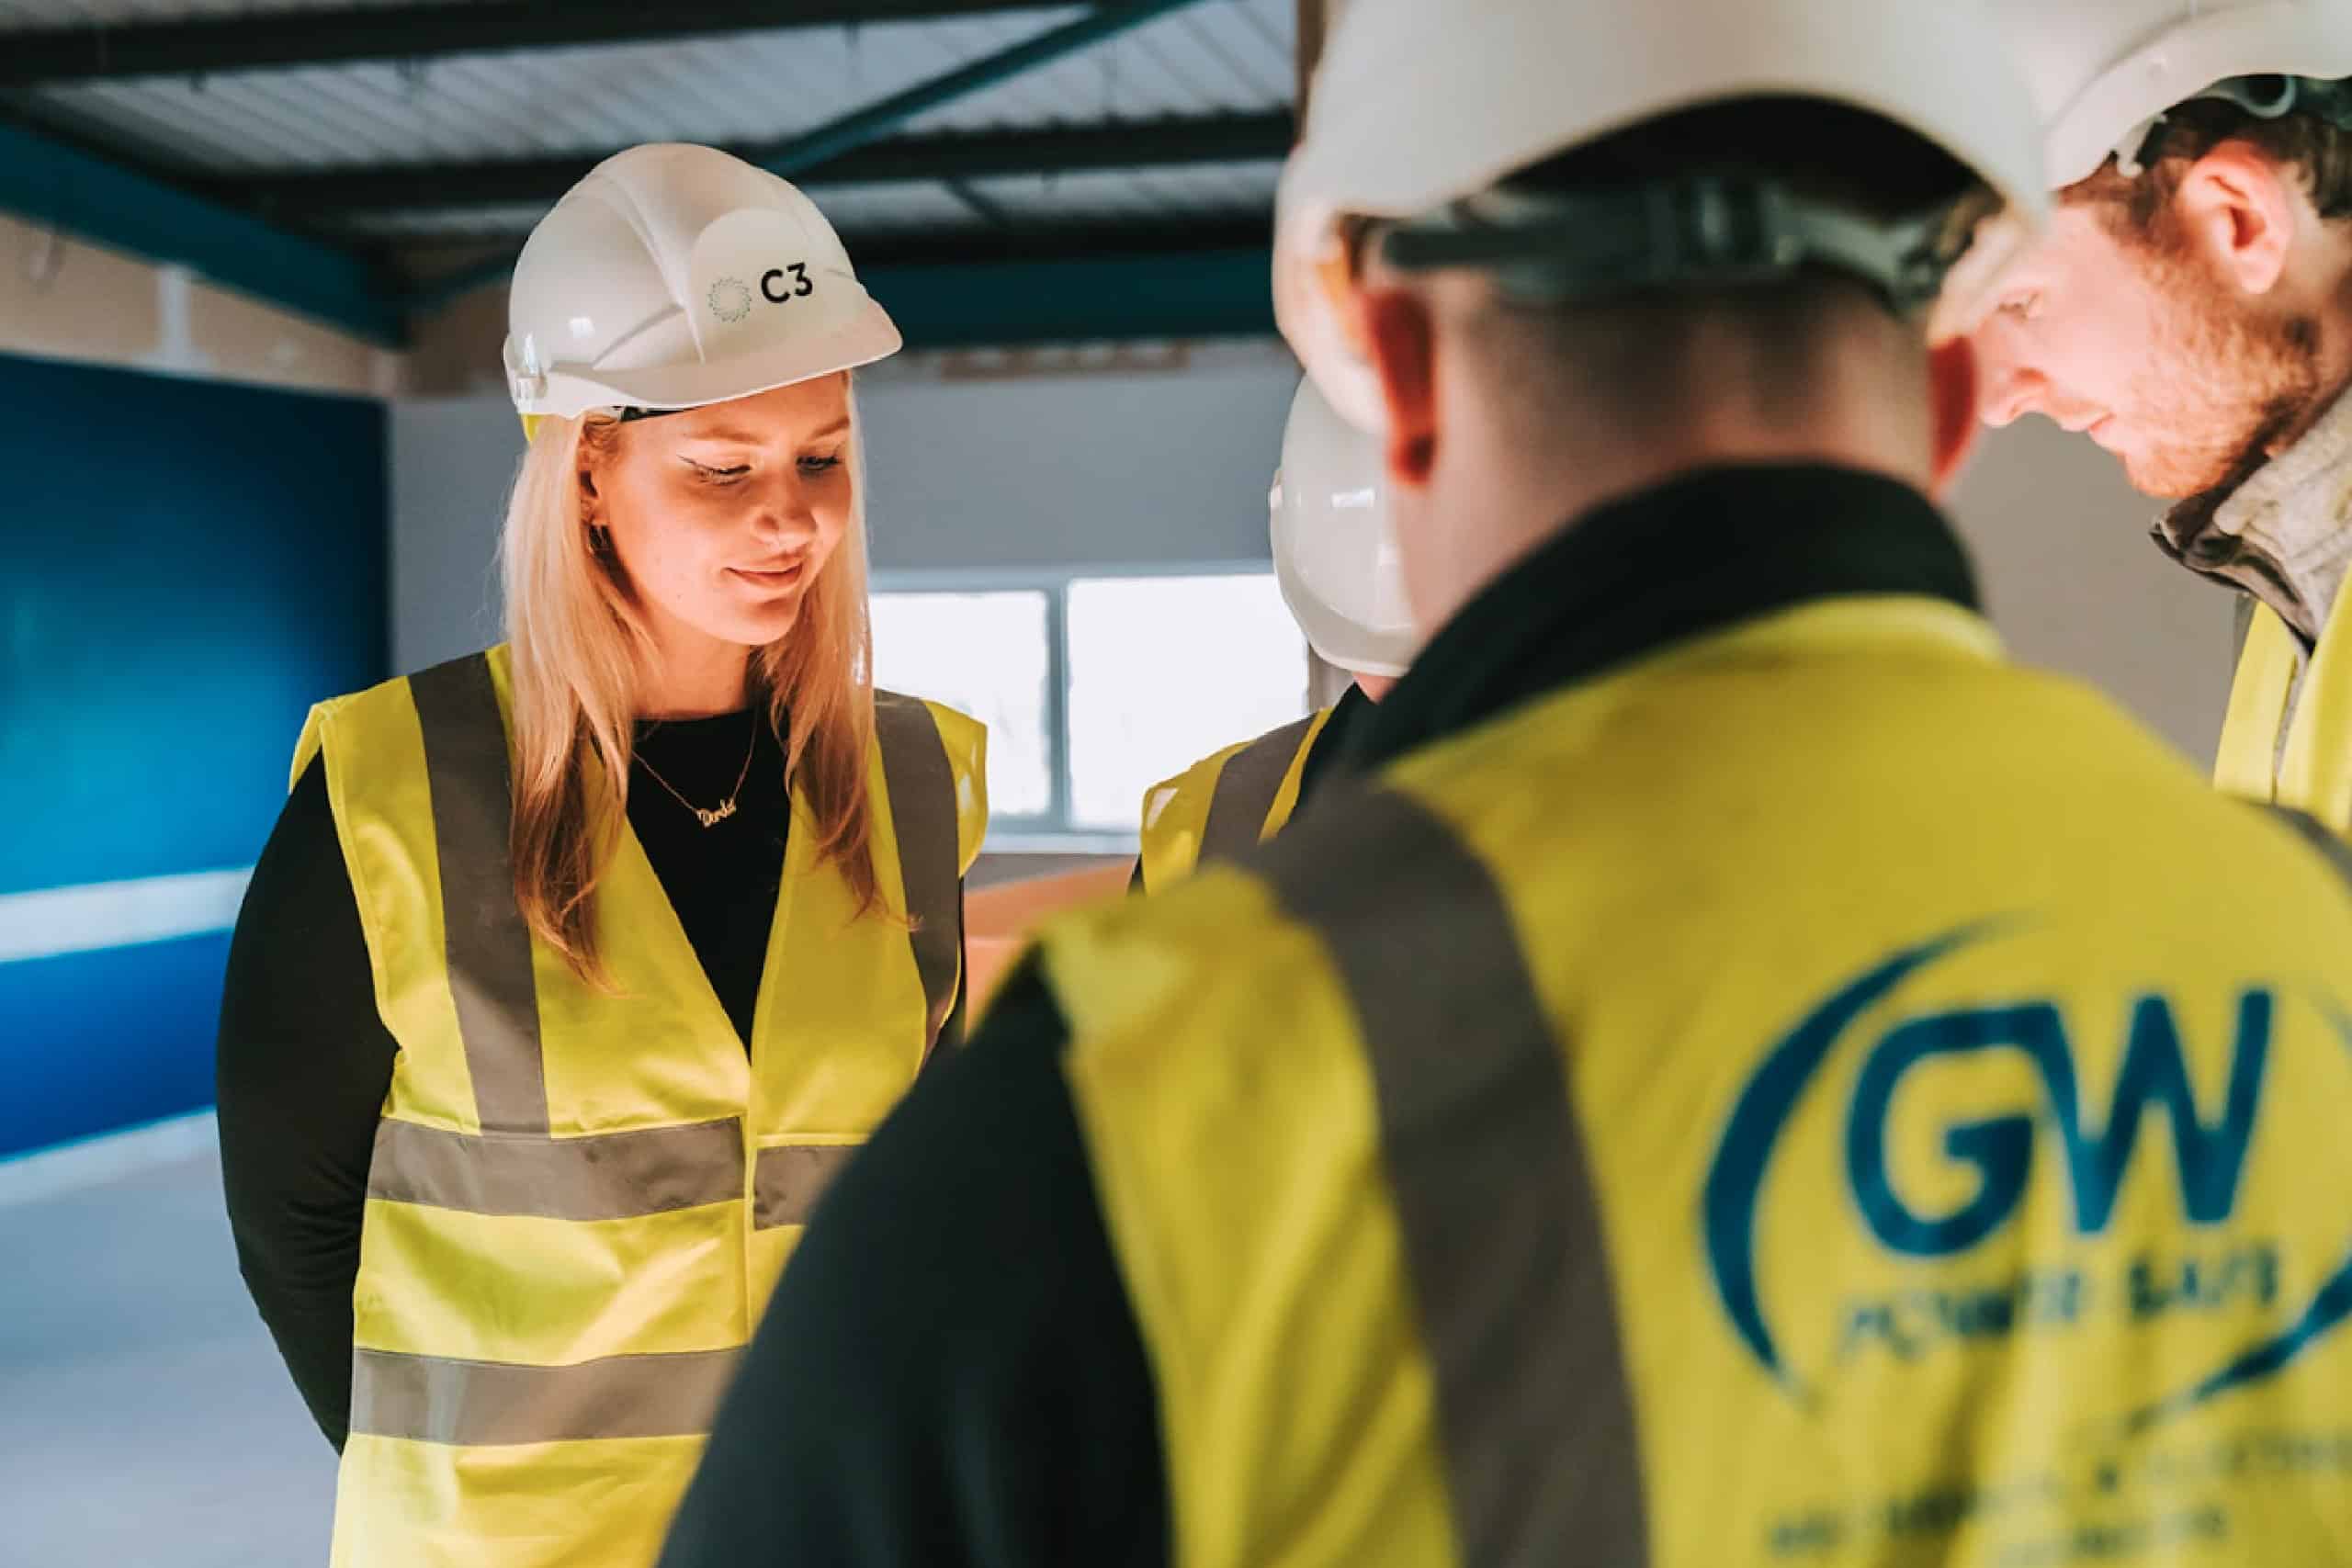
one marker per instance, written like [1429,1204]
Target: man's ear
[1401,336]
[1952,389]
[2239,212]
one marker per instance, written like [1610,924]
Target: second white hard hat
[1335,553]
[673,277]
[2104,71]
[1416,105]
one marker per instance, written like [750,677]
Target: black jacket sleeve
[305,1062]
[950,1375]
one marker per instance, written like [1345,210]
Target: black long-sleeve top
[305,1060]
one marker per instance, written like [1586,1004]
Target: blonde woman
[573,970]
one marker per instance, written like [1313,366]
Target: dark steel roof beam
[283,39]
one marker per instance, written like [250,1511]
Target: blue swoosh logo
[1736,1180]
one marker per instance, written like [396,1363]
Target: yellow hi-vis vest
[2314,773]
[1816,1095]
[1222,806]
[580,1201]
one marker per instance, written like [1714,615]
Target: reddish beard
[2222,381]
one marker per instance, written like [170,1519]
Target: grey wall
[1093,470]
[2072,582]
[452,459]
[1158,467]
[1133,467]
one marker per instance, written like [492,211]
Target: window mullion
[1058,700]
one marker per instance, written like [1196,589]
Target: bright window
[1094,688]
[1164,670]
[988,655]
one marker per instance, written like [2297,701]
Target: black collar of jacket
[1694,556]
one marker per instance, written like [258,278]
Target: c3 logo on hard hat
[730,299]
[785,283]
[1962,1123]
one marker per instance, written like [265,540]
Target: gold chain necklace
[713,816]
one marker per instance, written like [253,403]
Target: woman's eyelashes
[709,474]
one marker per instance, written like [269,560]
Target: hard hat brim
[865,337]
[2186,59]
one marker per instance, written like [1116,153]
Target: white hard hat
[1417,104]
[2104,71]
[1334,555]
[674,275]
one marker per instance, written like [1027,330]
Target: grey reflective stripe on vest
[607,1176]
[2334,850]
[1246,787]
[786,1182]
[1486,1161]
[488,943]
[436,1399]
[923,810]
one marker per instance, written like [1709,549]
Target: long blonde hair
[581,650]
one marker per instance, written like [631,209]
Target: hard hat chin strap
[1705,231]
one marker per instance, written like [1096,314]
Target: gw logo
[2211,1156]
[2207,1146]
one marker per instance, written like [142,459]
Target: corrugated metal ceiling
[1228,55]
[1164,194]
[730,88]
[1203,64]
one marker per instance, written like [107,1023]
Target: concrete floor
[146,1421]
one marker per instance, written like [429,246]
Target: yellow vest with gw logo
[580,1201]
[1225,804]
[1816,1095]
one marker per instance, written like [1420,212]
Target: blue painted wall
[184,567]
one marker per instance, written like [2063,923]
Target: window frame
[1053,833]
